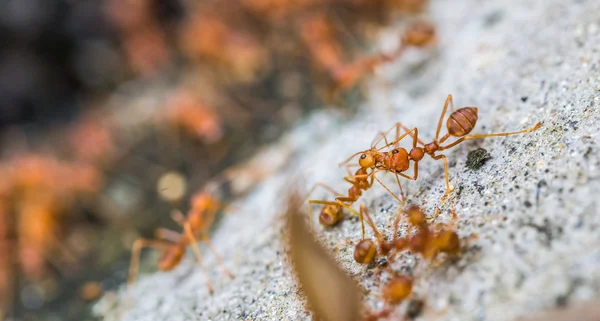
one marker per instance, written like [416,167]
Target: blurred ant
[459,124]
[188,112]
[173,244]
[419,34]
[318,35]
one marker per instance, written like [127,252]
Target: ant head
[367,160]
[364,251]
[330,215]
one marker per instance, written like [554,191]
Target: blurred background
[115,112]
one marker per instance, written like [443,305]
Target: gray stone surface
[533,206]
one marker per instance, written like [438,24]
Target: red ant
[173,244]
[459,124]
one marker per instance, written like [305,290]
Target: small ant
[459,124]
[173,244]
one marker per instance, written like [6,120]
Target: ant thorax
[396,160]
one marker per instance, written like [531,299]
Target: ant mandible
[173,244]
[459,124]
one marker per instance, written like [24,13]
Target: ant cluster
[422,237]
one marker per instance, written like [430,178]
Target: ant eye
[363,156]
[395,151]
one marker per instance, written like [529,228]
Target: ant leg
[415,136]
[365,213]
[325,186]
[347,167]
[536,127]
[136,250]
[382,136]
[397,126]
[439,127]
[449,189]
[415,175]
[168,235]
[400,186]
[178,217]
[399,138]
[402,201]
[196,250]
[397,223]
[206,239]
[352,178]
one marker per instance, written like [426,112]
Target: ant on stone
[459,124]
[173,244]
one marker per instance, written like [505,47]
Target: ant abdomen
[365,251]
[462,121]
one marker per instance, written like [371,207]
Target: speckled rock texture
[530,214]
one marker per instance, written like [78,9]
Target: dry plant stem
[321,279]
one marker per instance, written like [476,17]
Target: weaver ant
[173,244]
[459,124]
